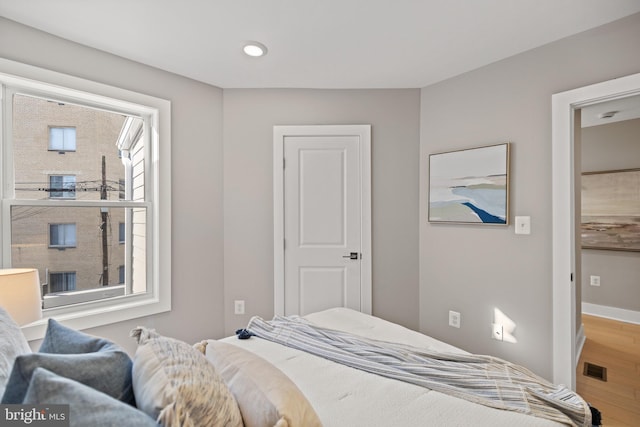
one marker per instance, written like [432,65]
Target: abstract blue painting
[470,186]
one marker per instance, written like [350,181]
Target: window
[111,200]
[62,139]
[121,273]
[62,235]
[62,282]
[62,186]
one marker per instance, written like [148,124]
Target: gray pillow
[92,361]
[87,406]
[60,339]
[12,344]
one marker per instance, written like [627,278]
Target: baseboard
[621,314]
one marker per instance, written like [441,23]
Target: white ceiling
[316,43]
[625,108]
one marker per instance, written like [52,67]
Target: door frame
[564,105]
[363,132]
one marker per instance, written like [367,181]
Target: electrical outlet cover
[238,307]
[454,319]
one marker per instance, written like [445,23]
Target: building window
[124,269]
[62,282]
[62,235]
[62,139]
[121,273]
[62,186]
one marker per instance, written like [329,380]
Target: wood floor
[615,346]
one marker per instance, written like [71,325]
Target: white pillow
[176,385]
[12,344]
[267,397]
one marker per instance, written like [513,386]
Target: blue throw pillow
[60,339]
[92,361]
[87,407]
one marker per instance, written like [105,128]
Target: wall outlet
[238,306]
[454,319]
[595,280]
[497,332]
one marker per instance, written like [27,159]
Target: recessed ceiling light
[255,49]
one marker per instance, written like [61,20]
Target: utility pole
[105,217]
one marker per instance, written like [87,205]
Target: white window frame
[36,81]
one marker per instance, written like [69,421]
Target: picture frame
[610,210]
[470,186]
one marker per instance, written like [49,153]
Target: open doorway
[566,215]
[610,167]
[607,375]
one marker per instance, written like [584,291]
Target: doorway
[565,215]
[322,218]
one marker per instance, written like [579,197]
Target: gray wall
[474,269]
[197,251]
[611,147]
[209,274]
[249,117]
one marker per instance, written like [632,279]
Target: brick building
[68,152]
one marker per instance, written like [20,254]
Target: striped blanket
[481,379]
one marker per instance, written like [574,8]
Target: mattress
[343,396]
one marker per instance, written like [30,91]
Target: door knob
[352,255]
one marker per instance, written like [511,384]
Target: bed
[344,396]
[251,382]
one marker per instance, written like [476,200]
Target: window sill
[99,314]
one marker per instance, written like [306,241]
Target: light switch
[523,225]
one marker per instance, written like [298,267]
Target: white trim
[563,240]
[75,297]
[278,220]
[581,338]
[615,313]
[41,82]
[366,265]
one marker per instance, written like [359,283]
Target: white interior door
[325,214]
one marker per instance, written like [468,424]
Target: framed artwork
[611,210]
[470,186]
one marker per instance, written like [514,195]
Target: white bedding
[343,396]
